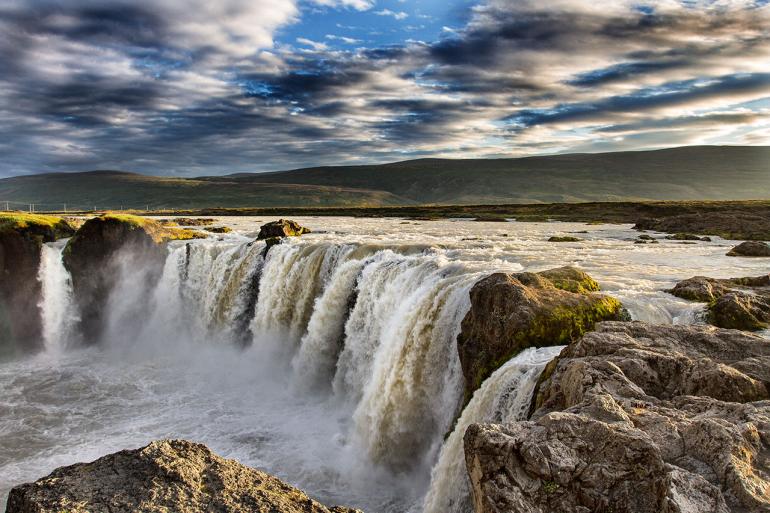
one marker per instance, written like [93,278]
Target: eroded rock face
[165,476]
[510,312]
[735,303]
[636,418]
[21,240]
[111,248]
[281,228]
[750,249]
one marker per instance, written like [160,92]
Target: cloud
[202,87]
[398,15]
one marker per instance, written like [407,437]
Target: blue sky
[196,87]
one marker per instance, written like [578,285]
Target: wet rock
[636,418]
[566,238]
[218,229]
[165,476]
[281,228]
[21,239]
[111,248]
[510,312]
[736,303]
[750,249]
[187,221]
[687,237]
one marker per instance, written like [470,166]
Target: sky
[201,87]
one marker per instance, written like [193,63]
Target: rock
[644,236]
[636,418]
[107,249]
[187,221]
[687,237]
[727,224]
[281,228]
[750,249]
[165,476]
[510,312]
[566,238]
[736,303]
[21,240]
[218,229]
[491,219]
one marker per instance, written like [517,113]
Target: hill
[687,173]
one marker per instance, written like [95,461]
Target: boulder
[687,237]
[111,248]
[21,240]
[510,312]
[218,229]
[750,249]
[565,238]
[165,476]
[736,303]
[636,418]
[281,228]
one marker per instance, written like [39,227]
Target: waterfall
[57,311]
[504,397]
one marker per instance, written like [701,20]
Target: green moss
[571,280]
[17,221]
[550,487]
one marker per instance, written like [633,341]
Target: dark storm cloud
[201,87]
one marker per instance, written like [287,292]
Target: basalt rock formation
[737,303]
[750,249]
[281,228]
[727,224]
[636,418]
[111,248]
[511,312]
[165,476]
[21,240]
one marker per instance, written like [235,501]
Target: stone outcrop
[750,249]
[21,240]
[165,476]
[736,303]
[281,228]
[636,418]
[687,237]
[510,312]
[110,248]
[734,225]
[564,238]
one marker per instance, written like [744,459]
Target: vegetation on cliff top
[18,221]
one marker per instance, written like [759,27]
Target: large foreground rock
[21,240]
[164,477]
[511,312]
[636,418]
[113,248]
[736,303]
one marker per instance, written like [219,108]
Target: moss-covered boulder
[510,312]
[750,248]
[113,248]
[735,303]
[21,240]
[281,228]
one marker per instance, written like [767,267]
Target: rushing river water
[351,379]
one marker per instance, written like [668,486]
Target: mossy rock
[511,312]
[218,229]
[281,228]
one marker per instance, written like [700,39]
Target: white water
[351,379]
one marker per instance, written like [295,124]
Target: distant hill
[694,172]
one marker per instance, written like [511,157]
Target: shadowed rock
[510,312]
[750,249]
[111,248]
[636,418]
[735,225]
[21,239]
[165,476]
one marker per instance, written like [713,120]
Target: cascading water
[504,397]
[56,307]
[349,377]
